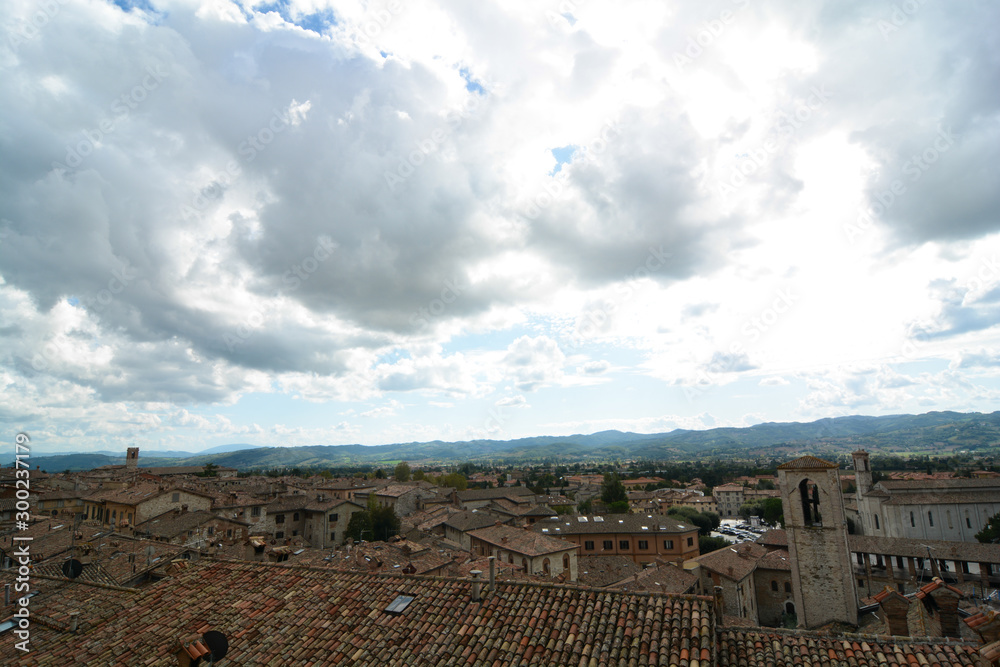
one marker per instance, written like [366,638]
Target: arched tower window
[809,494]
[876,523]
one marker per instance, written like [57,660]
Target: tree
[379,474]
[618,507]
[417,476]
[765,485]
[455,480]
[991,533]
[209,471]
[373,523]
[612,490]
[402,472]
[708,544]
[772,512]
[586,507]
[691,515]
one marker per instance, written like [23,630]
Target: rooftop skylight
[399,605]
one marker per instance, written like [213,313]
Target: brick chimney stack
[895,607]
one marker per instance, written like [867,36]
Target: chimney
[895,607]
[476,597]
[947,599]
[493,573]
[74,620]
[718,605]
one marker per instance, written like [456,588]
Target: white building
[940,509]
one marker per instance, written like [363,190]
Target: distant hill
[931,433]
[160,453]
[225,449]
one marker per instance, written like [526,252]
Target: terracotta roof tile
[279,615]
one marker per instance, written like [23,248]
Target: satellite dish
[216,643]
[72,568]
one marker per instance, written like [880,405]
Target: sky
[330,222]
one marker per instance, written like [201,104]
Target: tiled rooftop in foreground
[280,615]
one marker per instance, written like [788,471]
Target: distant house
[319,519]
[195,529]
[642,537]
[729,499]
[135,504]
[472,499]
[536,553]
[458,526]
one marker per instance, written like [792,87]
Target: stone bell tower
[822,578]
[131,458]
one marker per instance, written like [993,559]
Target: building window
[668,544]
[968,522]
[565,561]
[176,498]
[333,518]
[913,521]
[690,541]
[295,533]
[788,587]
[930,519]
[229,532]
[333,537]
[280,534]
[254,511]
[279,518]
[623,545]
[295,517]
[877,527]
[545,566]
[589,545]
[861,583]
[774,585]
[608,545]
[643,544]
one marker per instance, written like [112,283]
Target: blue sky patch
[471,84]
[563,156]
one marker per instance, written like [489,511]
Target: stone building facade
[940,509]
[823,584]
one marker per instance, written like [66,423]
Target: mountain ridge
[935,431]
